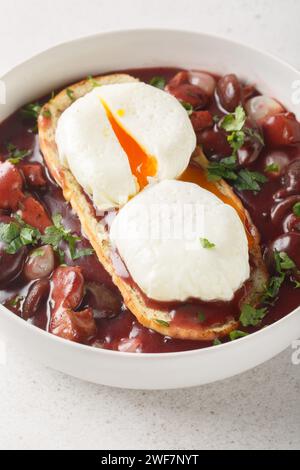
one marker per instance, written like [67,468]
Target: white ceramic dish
[148,48]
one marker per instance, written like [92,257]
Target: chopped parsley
[187,106]
[201,317]
[272,168]
[79,253]
[217,342]
[251,316]
[158,82]
[237,334]
[18,234]
[284,267]
[296,209]
[249,180]
[93,82]
[70,94]
[31,111]
[57,233]
[206,243]
[162,322]
[16,155]
[15,236]
[225,168]
[15,301]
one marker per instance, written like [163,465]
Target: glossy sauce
[123,332]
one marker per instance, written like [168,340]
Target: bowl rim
[130,355]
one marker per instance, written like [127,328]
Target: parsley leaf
[201,317]
[83,252]
[234,121]
[93,82]
[217,342]
[237,334]
[225,168]
[251,316]
[31,111]
[296,209]
[158,82]
[284,265]
[162,322]
[70,94]
[14,302]
[272,168]
[187,106]
[206,243]
[15,155]
[249,180]
[57,233]
[16,235]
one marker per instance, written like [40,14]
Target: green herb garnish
[251,316]
[16,155]
[57,233]
[15,301]
[284,266]
[227,168]
[206,243]
[296,209]
[158,82]
[249,180]
[237,334]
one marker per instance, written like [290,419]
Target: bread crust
[73,193]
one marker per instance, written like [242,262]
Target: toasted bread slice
[99,238]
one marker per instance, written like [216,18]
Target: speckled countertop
[44,409]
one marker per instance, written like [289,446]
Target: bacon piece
[11,186]
[67,293]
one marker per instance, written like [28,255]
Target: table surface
[44,409]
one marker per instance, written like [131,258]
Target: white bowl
[148,48]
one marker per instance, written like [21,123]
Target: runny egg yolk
[142,165]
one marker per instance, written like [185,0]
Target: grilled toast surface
[99,238]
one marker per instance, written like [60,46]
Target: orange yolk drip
[195,174]
[141,164]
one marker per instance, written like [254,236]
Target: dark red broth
[270,209]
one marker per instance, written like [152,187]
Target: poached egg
[118,138]
[180,241]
